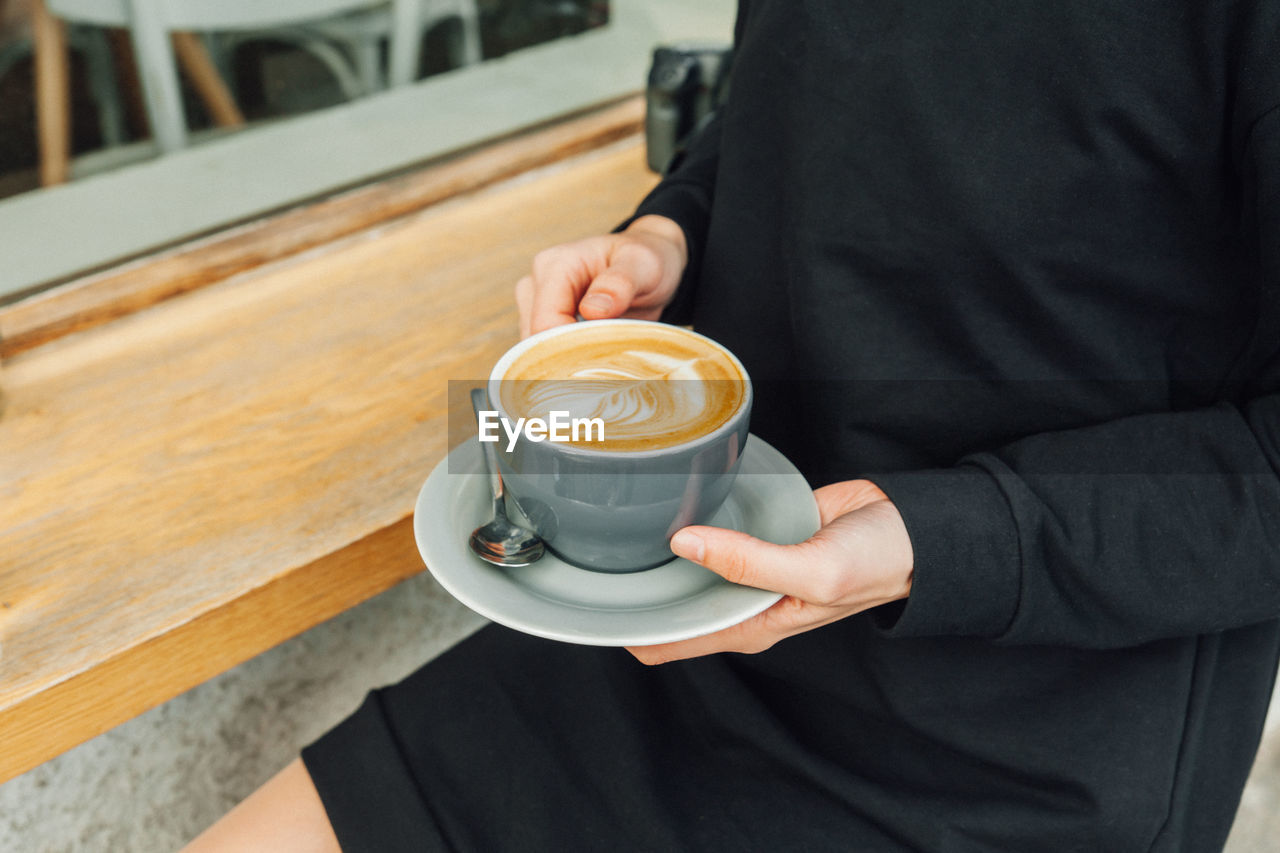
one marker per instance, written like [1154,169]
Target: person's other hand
[861,557]
[633,273]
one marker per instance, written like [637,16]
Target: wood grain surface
[190,484]
[130,287]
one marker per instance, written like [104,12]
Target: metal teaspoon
[500,541]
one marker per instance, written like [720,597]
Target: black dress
[1019,264]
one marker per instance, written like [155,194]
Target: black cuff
[967,558]
[686,205]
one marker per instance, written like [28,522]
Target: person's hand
[861,557]
[633,273]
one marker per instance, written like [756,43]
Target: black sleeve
[685,195]
[1033,543]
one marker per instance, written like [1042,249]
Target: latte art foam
[652,386]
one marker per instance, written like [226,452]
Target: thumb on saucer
[743,559]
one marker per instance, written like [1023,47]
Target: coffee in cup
[652,385]
[617,433]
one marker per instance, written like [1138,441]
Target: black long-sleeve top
[1019,264]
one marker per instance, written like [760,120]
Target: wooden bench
[213,449]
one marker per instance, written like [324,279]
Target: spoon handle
[479,401]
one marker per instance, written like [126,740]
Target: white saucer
[770,500]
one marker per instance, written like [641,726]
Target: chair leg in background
[100,68]
[53,100]
[208,83]
[469,50]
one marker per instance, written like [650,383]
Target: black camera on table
[687,83]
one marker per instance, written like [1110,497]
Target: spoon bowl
[500,541]
[503,543]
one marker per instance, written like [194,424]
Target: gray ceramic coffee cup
[615,511]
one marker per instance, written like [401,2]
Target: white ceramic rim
[495,380]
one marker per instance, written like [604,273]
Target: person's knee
[284,815]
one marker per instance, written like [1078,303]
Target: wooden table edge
[149,674]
